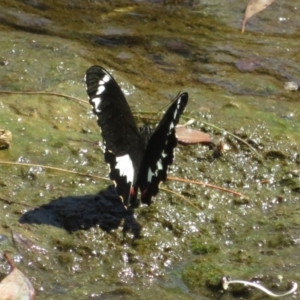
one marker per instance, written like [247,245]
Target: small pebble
[291,86]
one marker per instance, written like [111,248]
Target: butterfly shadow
[73,213]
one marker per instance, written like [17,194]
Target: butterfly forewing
[113,112]
[159,153]
[123,148]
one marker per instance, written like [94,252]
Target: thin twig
[226,283]
[52,168]
[208,185]
[86,102]
[103,178]
[231,134]
[15,202]
[10,261]
[46,93]
[180,196]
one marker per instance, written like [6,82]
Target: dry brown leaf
[16,286]
[191,136]
[253,7]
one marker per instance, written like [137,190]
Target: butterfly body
[137,158]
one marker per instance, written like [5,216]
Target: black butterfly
[137,159]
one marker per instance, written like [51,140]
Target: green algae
[257,237]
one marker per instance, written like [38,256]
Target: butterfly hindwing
[123,148]
[159,153]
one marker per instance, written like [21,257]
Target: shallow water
[154,50]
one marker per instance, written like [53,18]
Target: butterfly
[137,157]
